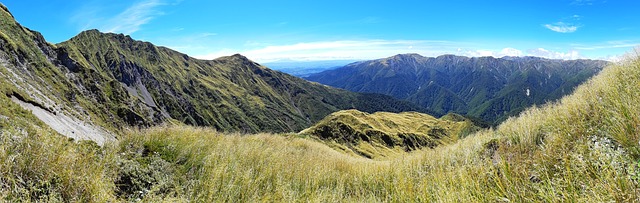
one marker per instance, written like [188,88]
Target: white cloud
[344,49]
[375,49]
[565,25]
[562,27]
[495,53]
[510,52]
[612,58]
[541,52]
[128,21]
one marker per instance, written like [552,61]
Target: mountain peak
[522,58]
[407,56]
[236,57]
[95,33]
[451,57]
[91,32]
[240,56]
[3,7]
[402,58]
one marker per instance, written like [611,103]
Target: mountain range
[107,82]
[488,88]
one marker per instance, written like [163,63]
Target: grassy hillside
[144,85]
[583,148]
[116,82]
[385,134]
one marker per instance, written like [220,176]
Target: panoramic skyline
[329,30]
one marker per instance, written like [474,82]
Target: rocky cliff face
[485,87]
[112,82]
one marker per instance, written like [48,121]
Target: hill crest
[384,134]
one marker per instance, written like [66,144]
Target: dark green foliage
[487,88]
[143,171]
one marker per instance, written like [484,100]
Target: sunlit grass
[583,148]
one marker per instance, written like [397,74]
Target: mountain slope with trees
[484,87]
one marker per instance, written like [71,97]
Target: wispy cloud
[608,45]
[561,27]
[566,25]
[587,2]
[128,21]
[582,2]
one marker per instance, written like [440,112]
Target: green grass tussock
[37,164]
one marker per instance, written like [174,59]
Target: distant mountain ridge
[484,87]
[305,68]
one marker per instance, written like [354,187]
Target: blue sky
[330,29]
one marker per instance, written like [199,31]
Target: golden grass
[384,135]
[583,148]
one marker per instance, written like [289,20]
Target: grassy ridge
[582,148]
[383,134]
[141,84]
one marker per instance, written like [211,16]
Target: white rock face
[68,126]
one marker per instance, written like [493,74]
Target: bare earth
[68,126]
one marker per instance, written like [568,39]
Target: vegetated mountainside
[488,88]
[582,148]
[112,81]
[229,93]
[383,134]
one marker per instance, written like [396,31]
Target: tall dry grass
[583,148]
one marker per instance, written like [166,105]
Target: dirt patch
[66,125]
